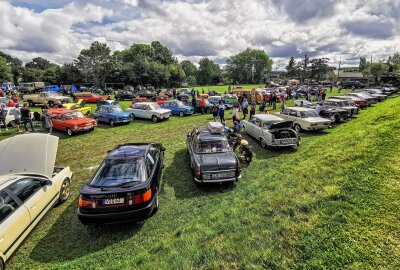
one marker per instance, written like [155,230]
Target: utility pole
[305,67]
[371,58]
[338,74]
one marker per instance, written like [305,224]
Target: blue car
[51,88]
[111,114]
[177,107]
[216,100]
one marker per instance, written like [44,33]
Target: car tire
[263,143]
[87,114]
[30,103]
[51,104]
[111,122]
[157,206]
[154,119]
[181,114]
[297,128]
[70,132]
[12,123]
[2,267]
[132,116]
[96,119]
[65,191]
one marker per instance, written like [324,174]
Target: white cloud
[341,30]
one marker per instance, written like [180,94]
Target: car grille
[216,175]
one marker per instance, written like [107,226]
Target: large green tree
[95,63]
[5,71]
[70,74]
[291,68]
[319,68]
[249,66]
[38,63]
[15,65]
[363,64]
[209,72]
[32,75]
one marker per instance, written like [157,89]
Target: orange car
[71,121]
[251,95]
[161,99]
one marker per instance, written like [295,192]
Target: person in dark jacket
[215,111]
[252,110]
[46,121]
[26,117]
[194,104]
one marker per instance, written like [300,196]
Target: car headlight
[75,127]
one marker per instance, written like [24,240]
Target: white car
[30,185]
[149,110]
[10,118]
[304,118]
[271,131]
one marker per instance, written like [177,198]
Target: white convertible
[30,186]
[272,131]
[304,118]
[149,110]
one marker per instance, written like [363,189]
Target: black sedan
[211,158]
[125,187]
[124,95]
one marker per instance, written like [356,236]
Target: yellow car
[80,106]
[30,185]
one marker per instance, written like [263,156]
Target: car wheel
[31,104]
[337,119]
[332,117]
[69,132]
[111,122]
[154,119]
[297,127]
[51,104]
[87,114]
[181,114]
[96,119]
[12,123]
[263,143]
[65,191]
[132,116]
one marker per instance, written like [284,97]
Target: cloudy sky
[342,30]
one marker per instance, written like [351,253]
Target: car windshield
[179,103]
[154,106]
[115,109]
[74,115]
[95,95]
[52,94]
[348,103]
[117,172]
[267,124]
[217,146]
[306,114]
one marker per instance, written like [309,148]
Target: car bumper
[317,128]
[118,217]
[218,180]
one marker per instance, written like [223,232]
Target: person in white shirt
[318,108]
[235,113]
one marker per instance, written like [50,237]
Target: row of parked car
[126,185]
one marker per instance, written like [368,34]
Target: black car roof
[129,151]
[206,135]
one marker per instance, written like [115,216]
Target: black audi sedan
[125,187]
[211,158]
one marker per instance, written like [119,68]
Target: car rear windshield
[306,114]
[217,146]
[117,172]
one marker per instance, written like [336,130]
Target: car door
[173,107]
[35,194]
[250,126]
[257,131]
[56,119]
[103,114]
[146,113]
[14,219]
[137,110]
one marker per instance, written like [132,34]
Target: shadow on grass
[179,176]
[68,239]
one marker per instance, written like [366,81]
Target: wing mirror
[46,182]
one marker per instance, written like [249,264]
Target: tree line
[140,64]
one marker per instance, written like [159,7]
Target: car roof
[206,135]
[300,109]
[61,111]
[146,103]
[334,99]
[268,117]
[128,151]
[109,106]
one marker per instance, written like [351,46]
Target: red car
[71,121]
[139,99]
[90,97]
[361,103]
[161,99]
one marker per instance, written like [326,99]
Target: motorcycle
[236,140]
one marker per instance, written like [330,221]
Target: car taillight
[86,203]
[141,198]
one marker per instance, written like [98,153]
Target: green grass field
[332,203]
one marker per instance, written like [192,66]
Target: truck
[30,87]
[50,98]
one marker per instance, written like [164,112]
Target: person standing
[26,117]
[221,111]
[3,115]
[318,108]
[17,116]
[252,110]
[46,121]
[194,104]
[283,105]
[323,95]
[215,112]
[245,106]
[274,99]
[202,104]
[235,113]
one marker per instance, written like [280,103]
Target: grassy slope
[331,203]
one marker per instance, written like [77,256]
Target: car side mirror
[46,182]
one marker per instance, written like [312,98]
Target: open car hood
[29,153]
[284,124]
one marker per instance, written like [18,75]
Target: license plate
[113,201]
